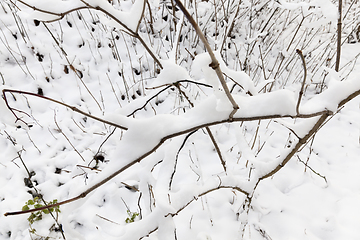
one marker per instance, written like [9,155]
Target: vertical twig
[223,163]
[298,51]
[338,49]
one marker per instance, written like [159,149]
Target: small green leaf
[38,205]
[25,208]
[30,202]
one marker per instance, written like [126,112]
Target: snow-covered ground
[173,184]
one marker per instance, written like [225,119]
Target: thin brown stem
[338,47]
[214,62]
[223,163]
[298,51]
[58,102]
[60,15]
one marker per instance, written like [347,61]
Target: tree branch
[58,102]
[300,143]
[214,64]
[60,15]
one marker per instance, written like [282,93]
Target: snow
[281,102]
[170,74]
[129,19]
[182,187]
[332,97]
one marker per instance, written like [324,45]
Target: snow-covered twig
[214,64]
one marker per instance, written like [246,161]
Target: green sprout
[132,216]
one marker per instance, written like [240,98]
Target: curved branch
[58,102]
[147,101]
[167,87]
[206,192]
[60,15]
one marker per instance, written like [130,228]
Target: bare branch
[60,15]
[144,155]
[298,51]
[338,46]
[216,148]
[206,192]
[306,165]
[214,64]
[58,102]
[300,143]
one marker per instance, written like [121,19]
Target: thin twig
[223,163]
[60,131]
[58,102]
[60,15]
[311,169]
[298,51]
[177,156]
[147,101]
[338,47]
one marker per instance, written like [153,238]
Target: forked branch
[299,144]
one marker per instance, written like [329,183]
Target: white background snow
[85,61]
